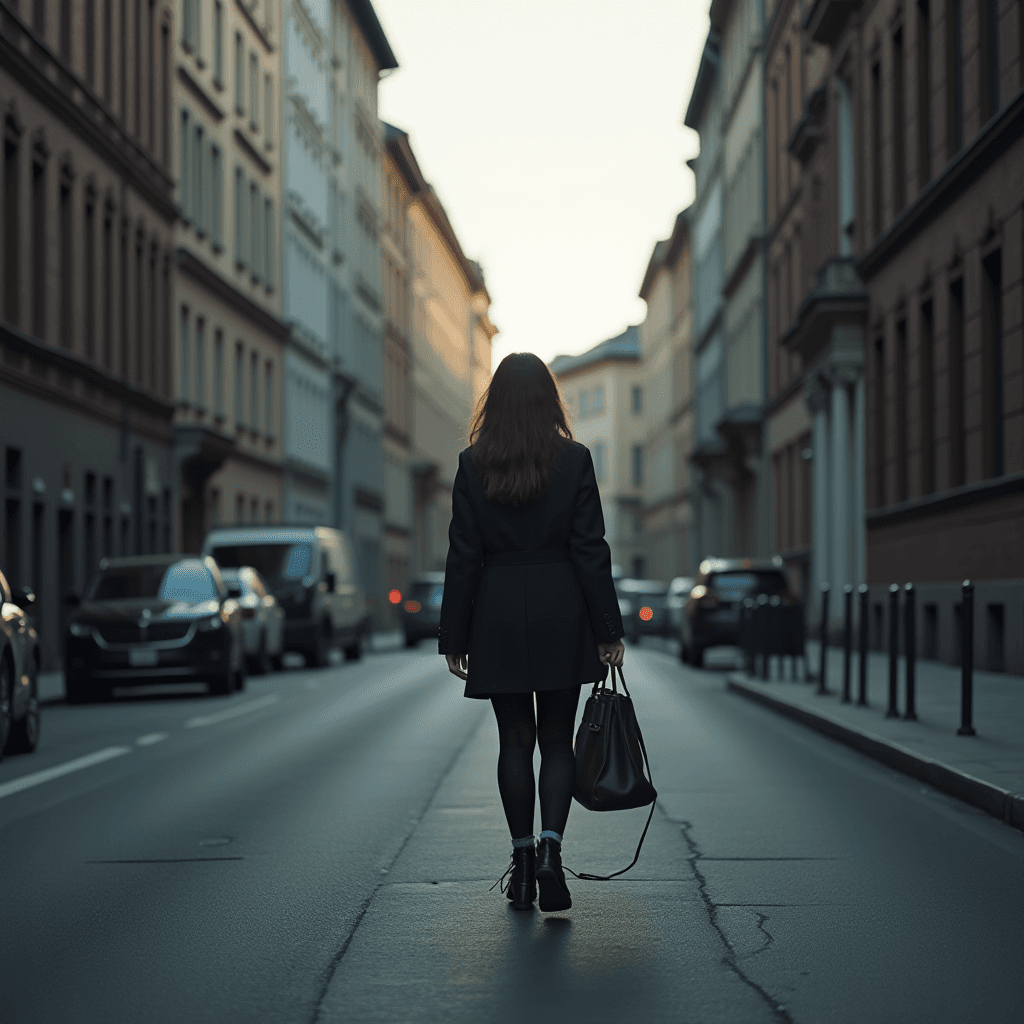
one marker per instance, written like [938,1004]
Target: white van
[310,571]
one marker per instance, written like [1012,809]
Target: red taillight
[395,596]
[412,607]
[646,613]
[704,595]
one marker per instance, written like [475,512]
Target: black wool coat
[528,589]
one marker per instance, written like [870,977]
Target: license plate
[139,657]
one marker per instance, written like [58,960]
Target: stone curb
[1000,803]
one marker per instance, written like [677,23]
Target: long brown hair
[518,429]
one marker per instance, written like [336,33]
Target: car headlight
[213,622]
[79,629]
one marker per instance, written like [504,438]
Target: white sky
[552,132]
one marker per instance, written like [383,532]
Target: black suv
[157,619]
[712,613]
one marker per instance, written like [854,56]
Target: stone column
[860,564]
[816,398]
[840,555]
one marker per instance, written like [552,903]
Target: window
[988,62]
[239,74]
[186,364]
[599,461]
[198,185]
[900,411]
[254,392]
[67,264]
[185,174]
[89,243]
[638,465]
[268,243]
[955,379]
[200,391]
[880,424]
[108,38]
[216,199]
[927,364]
[89,16]
[268,109]
[846,166]
[584,403]
[992,365]
[898,162]
[218,374]
[39,250]
[268,400]
[599,398]
[924,113]
[255,231]
[638,399]
[218,43]
[876,147]
[239,215]
[955,79]
[254,91]
[12,234]
[239,384]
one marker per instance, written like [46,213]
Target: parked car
[262,619]
[712,613]
[19,671]
[155,619]
[678,594]
[311,572]
[647,612]
[421,609]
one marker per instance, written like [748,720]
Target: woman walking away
[529,609]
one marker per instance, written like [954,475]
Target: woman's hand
[611,654]
[458,665]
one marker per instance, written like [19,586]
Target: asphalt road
[319,848]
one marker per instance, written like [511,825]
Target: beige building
[665,398]
[604,391]
[228,335]
[85,267]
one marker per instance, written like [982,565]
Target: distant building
[227,328]
[600,386]
[665,400]
[86,252]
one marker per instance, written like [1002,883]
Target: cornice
[191,265]
[952,500]
[30,61]
[199,94]
[252,153]
[256,28]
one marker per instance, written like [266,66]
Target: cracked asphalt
[320,849]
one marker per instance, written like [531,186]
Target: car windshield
[184,581]
[735,586]
[276,563]
[427,593]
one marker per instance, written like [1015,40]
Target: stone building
[229,337]
[603,389]
[924,109]
[86,375]
[665,399]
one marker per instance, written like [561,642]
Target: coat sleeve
[461,572]
[593,558]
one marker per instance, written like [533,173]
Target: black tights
[518,730]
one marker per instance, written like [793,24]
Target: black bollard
[823,660]
[847,638]
[894,641]
[747,633]
[967,661]
[862,667]
[762,617]
[910,643]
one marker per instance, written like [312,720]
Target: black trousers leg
[517,735]
[556,716]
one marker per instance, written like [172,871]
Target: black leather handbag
[610,759]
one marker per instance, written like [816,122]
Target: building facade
[661,462]
[603,389]
[229,337]
[86,373]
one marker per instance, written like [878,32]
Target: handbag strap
[585,876]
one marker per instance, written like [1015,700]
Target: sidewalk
[51,684]
[986,770]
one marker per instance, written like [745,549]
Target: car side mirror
[72,600]
[331,581]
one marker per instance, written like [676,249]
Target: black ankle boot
[554,893]
[522,889]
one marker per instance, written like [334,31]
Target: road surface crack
[731,959]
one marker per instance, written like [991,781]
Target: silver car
[262,619]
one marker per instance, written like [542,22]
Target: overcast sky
[552,131]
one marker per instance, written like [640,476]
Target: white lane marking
[37,778]
[150,738]
[222,716]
